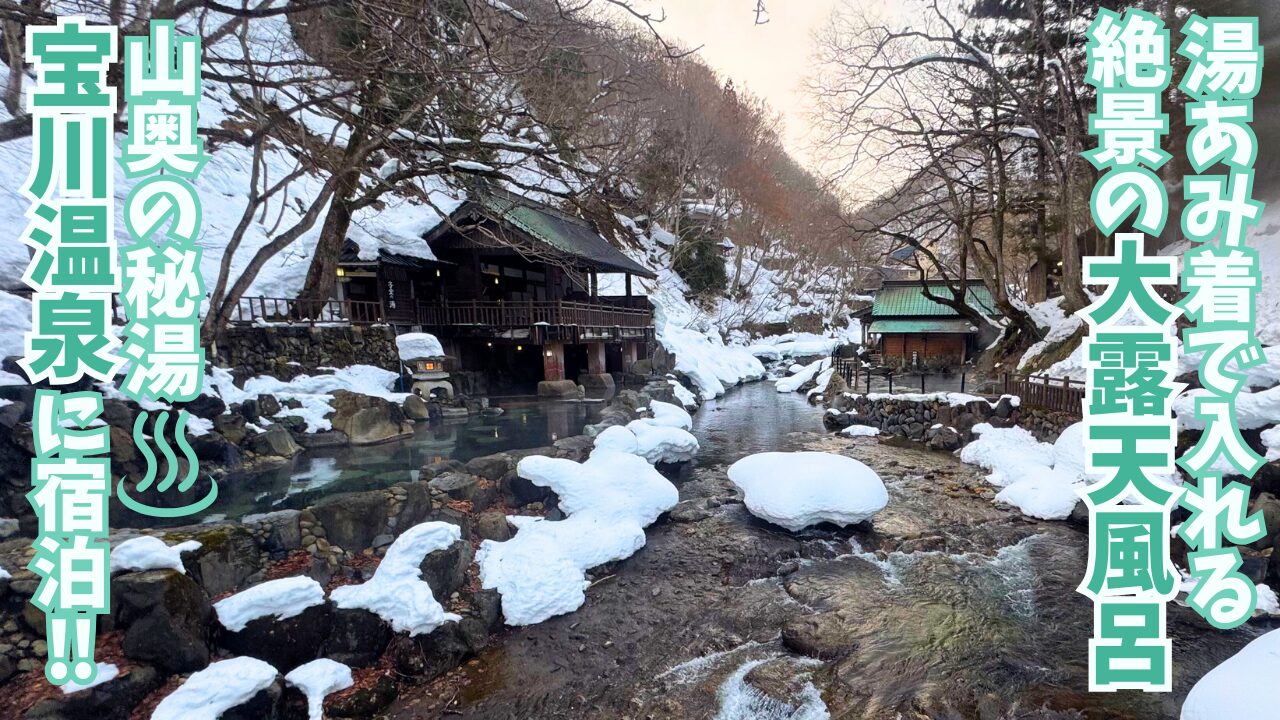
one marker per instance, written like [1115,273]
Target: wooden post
[628,289]
[553,361]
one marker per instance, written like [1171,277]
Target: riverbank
[946,605]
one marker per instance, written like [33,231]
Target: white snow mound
[663,443]
[396,592]
[609,499]
[214,690]
[1234,689]
[281,599]
[318,679]
[150,553]
[670,415]
[413,346]
[617,439]
[796,490]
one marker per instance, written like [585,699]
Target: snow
[860,431]
[1239,688]
[471,166]
[396,592]
[796,490]
[106,673]
[198,426]
[4,574]
[1271,440]
[1009,453]
[662,443]
[1050,496]
[318,679]
[218,688]
[413,346]
[1268,603]
[609,500]
[1039,479]
[707,361]
[617,439]
[954,399]
[670,415]
[281,599]
[793,382]
[314,392]
[686,398]
[792,345]
[1253,409]
[150,553]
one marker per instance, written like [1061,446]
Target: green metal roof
[908,300]
[569,235]
[944,326]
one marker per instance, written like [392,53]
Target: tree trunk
[322,275]
[1073,294]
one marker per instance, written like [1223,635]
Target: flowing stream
[945,607]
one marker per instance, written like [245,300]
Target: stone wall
[284,351]
[941,420]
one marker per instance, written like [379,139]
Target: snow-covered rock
[617,439]
[1238,689]
[801,345]
[670,415]
[663,443]
[1048,496]
[150,553]
[793,382]
[313,392]
[218,688]
[796,490]
[413,346]
[609,500]
[686,398]
[860,431]
[281,599]
[317,680]
[396,592]
[1009,453]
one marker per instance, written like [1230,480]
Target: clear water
[751,419]
[524,423]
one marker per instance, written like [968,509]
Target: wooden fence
[1039,391]
[1048,393]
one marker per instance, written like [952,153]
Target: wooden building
[511,288]
[910,330]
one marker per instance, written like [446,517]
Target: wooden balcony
[618,316]
[510,315]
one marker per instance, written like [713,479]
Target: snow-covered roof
[566,235]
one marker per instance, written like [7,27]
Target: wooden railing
[360,312]
[1048,393]
[493,314]
[497,314]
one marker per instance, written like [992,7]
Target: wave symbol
[162,444]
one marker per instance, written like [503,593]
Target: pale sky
[771,60]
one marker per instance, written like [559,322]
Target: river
[945,607]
